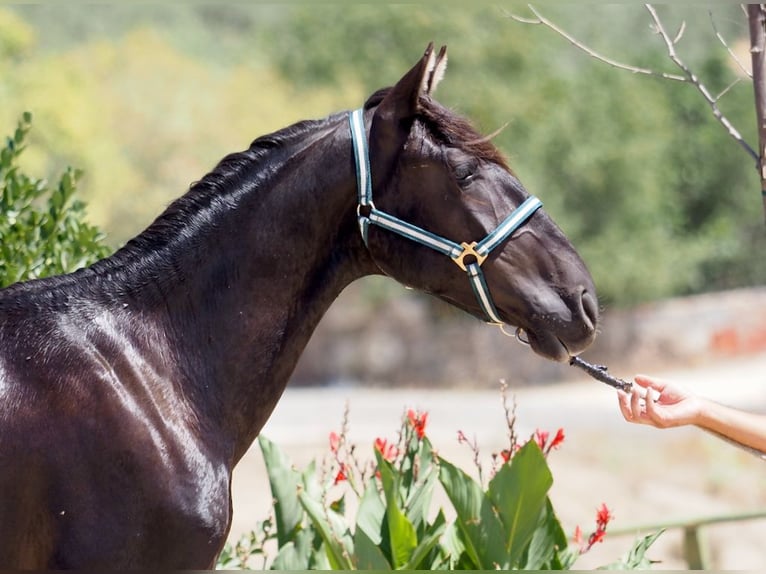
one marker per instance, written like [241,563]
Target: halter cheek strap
[468,256]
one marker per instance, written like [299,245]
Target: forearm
[743,427]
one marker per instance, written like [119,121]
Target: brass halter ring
[518,334]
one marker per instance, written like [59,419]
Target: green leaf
[419,501]
[635,558]
[284,482]
[367,553]
[401,533]
[519,492]
[483,534]
[548,540]
[426,545]
[295,555]
[371,513]
[333,531]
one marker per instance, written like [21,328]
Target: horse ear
[394,115]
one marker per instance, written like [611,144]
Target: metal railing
[694,547]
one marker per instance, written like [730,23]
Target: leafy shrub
[509,524]
[42,229]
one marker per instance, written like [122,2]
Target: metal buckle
[468,249]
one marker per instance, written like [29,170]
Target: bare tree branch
[540,19]
[756,15]
[695,81]
[756,18]
[734,57]
[727,88]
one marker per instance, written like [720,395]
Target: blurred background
[662,204]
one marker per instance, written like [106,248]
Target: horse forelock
[450,129]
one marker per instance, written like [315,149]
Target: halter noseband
[477,252]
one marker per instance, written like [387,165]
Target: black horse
[130,389]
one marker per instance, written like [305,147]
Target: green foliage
[42,230]
[509,524]
[651,190]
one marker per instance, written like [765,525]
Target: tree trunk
[756,15]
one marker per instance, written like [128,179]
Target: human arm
[673,405]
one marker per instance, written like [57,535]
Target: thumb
[650,382]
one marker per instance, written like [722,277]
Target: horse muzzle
[559,330]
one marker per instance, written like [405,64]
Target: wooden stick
[600,373]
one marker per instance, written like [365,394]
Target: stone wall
[405,342]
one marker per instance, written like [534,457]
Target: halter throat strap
[468,256]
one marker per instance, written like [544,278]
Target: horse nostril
[589,308]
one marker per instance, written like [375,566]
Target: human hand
[659,403]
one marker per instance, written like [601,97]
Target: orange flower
[341,476]
[418,421]
[541,438]
[577,538]
[558,439]
[388,451]
[334,442]
[603,516]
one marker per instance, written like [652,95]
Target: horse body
[130,389]
[160,365]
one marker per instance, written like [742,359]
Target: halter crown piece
[457,252]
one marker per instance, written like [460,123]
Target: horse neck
[242,291]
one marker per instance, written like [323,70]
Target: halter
[475,252]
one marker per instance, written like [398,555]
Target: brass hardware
[468,249]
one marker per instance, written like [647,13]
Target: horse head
[444,214]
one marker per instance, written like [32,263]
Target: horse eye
[464,173]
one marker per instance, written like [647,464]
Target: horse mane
[217,191]
[246,170]
[450,129]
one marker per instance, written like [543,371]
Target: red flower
[603,516]
[418,421]
[558,439]
[597,536]
[341,476]
[577,538]
[505,454]
[461,439]
[541,438]
[387,451]
[334,442]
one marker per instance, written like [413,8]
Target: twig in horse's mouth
[599,373]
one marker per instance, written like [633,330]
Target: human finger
[623,400]
[653,388]
[648,382]
[636,406]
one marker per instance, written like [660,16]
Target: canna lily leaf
[519,492]
[368,555]
[295,554]
[333,531]
[548,542]
[402,537]
[419,501]
[371,513]
[428,543]
[284,483]
[482,532]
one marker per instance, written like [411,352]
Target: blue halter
[457,252]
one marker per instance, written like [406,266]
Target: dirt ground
[644,475]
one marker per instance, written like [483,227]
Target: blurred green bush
[42,229]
